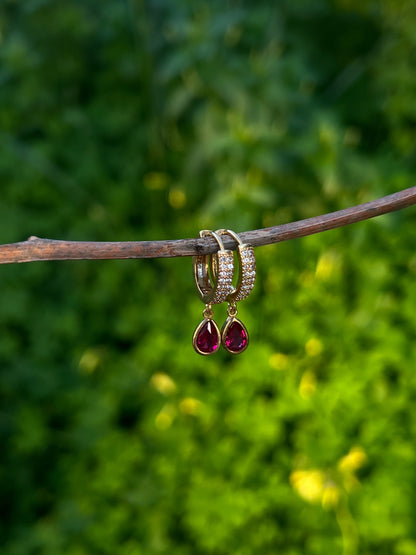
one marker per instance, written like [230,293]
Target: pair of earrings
[214,282]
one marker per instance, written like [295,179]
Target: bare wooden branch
[36,249]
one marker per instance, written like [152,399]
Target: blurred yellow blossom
[177,198]
[325,266]
[330,496]
[307,385]
[314,486]
[279,361]
[163,383]
[165,417]
[355,459]
[309,484]
[313,347]
[89,361]
[349,464]
[190,406]
[155,180]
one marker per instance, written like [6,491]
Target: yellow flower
[163,383]
[354,460]
[314,486]
[330,496]
[313,347]
[307,385]
[177,198]
[326,266]
[89,361]
[165,417]
[278,361]
[155,180]
[190,406]
[349,464]
[309,484]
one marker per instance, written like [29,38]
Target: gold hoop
[247,268]
[214,288]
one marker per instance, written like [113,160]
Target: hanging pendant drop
[234,336]
[207,338]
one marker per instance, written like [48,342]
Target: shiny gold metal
[213,274]
[247,268]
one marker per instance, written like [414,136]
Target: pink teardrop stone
[236,338]
[208,338]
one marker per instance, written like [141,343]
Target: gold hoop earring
[234,335]
[247,267]
[213,281]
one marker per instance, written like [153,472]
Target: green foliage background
[124,120]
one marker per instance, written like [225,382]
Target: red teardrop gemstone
[207,339]
[236,337]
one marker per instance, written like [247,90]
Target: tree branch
[36,249]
